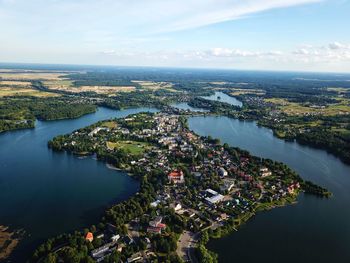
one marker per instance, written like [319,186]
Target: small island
[192,189]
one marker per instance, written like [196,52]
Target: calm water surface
[48,193]
[220,96]
[314,230]
[185,106]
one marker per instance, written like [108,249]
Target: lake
[315,229]
[185,106]
[47,193]
[222,97]
[218,96]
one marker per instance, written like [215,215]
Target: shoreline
[9,240]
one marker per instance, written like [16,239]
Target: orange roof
[175,173]
[89,236]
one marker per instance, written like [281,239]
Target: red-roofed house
[89,237]
[176,177]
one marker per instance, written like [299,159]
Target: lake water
[220,96]
[47,193]
[314,230]
[185,106]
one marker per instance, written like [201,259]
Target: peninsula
[192,188]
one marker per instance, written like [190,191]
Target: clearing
[13,91]
[133,147]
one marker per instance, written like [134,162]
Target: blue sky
[302,35]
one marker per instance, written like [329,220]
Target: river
[313,230]
[48,193]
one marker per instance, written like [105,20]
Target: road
[186,246]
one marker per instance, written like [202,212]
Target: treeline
[327,140]
[212,105]
[311,188]
[133,99]
[17,113]
[95,78]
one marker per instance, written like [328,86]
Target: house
[176,177]
[154,230]
[264,172]
[115,238]
[156,221]
[213,197]
[135,257]
[227,185]
[96,130]
[222,172]
[89,237]
[155,203]
[176,206]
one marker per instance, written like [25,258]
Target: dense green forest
[17,113]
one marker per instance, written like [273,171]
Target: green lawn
[133,147]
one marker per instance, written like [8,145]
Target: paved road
[186,246]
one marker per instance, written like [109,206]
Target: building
[156,221]
[227,185]
[115,238]
[222,172]
[176,177]
[213,197]
[89,237]
[154,230]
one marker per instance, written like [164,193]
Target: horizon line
[170,67]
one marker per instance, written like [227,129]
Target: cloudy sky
[302,35]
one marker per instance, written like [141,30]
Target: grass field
[293,108]
[13,91]
[152,85]
[133,147]
[15,83]
[338,90]
[238,91]
[67,85]
[109,124]
[31,76]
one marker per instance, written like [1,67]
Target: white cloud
[332,53]
[130,17]
[308,55]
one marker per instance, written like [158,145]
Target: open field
[31,76]
[152,85]
[293,108]
[15,83]
[238,91]
[67,86]
[109,124]
[14,91]
[132,147]
[338,90]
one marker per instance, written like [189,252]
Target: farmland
[295,108]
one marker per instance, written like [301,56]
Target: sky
[297,35]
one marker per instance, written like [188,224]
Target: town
[191,188]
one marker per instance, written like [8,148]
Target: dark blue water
[220,96]
[315,229]
[48,193]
